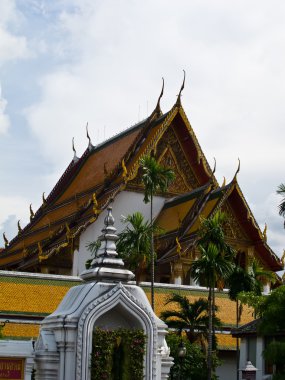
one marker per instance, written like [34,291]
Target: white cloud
[12,45]
[4,119]
[8,222]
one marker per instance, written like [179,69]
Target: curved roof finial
[224,182]
[44,199]
[238,169]
[90,145]
[19,227]
[157,108]
[5,240]
[75,158]
[215,164]
[178,102]
[32,214]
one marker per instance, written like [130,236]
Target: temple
[70,216]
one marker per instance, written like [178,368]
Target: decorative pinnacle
[106,264]
[178,102]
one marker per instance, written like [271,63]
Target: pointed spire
[238,169]
[5,240]
[75,158]
[178,102]
[106,265]
[157,108]
[32,214]
[224,182]
[90,145]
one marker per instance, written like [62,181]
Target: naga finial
[224,182]
[157,108]
[178,246]
[125,171]
[32,214]
[44,199]
[5,240]
[178,102]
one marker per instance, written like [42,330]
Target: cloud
[8,222]
[4,118]
[12,45]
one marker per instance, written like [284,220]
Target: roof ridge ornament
[19,227]
[32,214]
[75,158]
[237,171]
[90,145]
[44,199]
[5,240]
[215,165]
[178,102]
[107,266]
[157,108]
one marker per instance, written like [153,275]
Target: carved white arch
[118,295]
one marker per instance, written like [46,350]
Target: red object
[11,369]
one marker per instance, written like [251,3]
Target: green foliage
[281,191]
[190,317]
[275,353]
[134,244]
[252,300]
[155,177]
[93,248]
[272,311]
[117,354]
[193,366]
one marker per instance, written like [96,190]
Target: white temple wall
[125,203]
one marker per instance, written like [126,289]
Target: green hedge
[117,354]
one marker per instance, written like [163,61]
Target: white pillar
[266,288]
[259,361]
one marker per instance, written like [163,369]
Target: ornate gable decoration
[233,229]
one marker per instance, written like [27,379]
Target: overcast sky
[64,63]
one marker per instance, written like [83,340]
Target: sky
[64,63]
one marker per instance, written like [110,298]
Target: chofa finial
[238,169]
[90,145]
[215,164]
[157,108]
[178,102]
[6,241]
[32,214]
[75,158]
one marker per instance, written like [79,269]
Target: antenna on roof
[75,158]
[178,102]
[90,146]
[157,108]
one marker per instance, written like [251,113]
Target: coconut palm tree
[134,243]
[156,178]
[191,317]
[213,267]
[281,191]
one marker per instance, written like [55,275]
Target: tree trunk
[152,252]
[210,332]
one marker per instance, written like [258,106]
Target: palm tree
[155,178]
[281,191]
[213,267]
[189,317]
[134,243]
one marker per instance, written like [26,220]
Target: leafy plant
[117,354]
